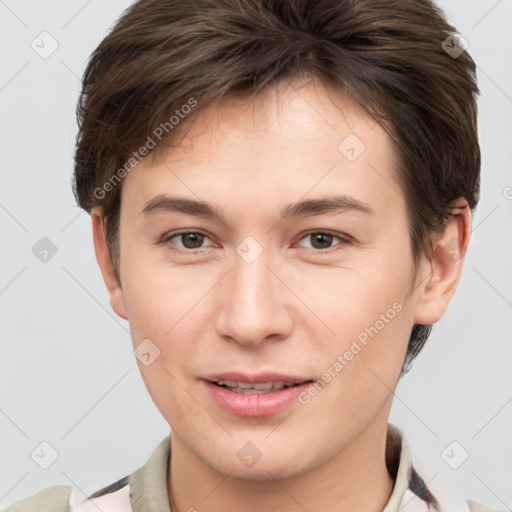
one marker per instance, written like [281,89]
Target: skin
[293,310]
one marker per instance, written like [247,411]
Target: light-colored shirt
[145,490]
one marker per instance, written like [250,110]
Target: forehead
[296,138]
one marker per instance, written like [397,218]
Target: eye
[188,240]
[322,240]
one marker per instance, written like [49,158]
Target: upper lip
[256,378]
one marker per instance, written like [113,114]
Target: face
[299,269]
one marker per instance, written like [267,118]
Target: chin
[277,466]
[263,472]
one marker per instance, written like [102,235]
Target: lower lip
[264,404]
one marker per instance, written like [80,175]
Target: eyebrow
[323,205]
[305,208]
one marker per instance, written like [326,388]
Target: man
[281,197]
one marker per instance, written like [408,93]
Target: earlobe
[104,260]
[442,273]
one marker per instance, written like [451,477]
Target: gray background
[67,372]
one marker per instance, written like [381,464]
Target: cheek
[369,314]
[154,296]
[169,308]
[163,313]
[361,366]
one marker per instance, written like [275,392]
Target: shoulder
[50,499]
[113,498]
[477,507]
[62,498]
[147,485]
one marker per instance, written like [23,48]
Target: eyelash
[344,240]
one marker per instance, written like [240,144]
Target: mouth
[257,388]
[254,395]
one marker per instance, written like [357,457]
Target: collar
[410,494]
[145,490]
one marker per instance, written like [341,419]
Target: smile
[256,387]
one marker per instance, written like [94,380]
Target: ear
[106,266]
[441,274]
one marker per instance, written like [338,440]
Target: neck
[341,483]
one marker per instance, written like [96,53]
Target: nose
[254,304]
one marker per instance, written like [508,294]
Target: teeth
[244,385]
[255,388]
[262,385]
[230,383]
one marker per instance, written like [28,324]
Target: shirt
[145,490]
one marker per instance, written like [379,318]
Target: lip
[256,378]
[264,404]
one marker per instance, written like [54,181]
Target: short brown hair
[389,56]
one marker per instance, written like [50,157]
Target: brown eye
[186,240]
[191,240]
[321,240]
